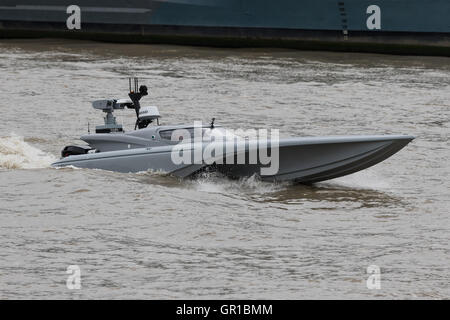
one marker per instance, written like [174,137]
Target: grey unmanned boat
[172,149]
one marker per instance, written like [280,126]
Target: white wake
[15,153]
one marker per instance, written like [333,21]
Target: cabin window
[180,134]
[188,134]
[166,134]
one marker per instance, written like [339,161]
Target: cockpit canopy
[197,134]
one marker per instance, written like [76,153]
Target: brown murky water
[154,236]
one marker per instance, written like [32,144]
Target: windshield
[187,134]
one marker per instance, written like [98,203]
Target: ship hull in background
[383,26]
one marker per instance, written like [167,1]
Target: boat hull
[131,161]
[310,160]
[304,160]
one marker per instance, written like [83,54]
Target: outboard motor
[74,150]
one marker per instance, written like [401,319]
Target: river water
[150,236]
